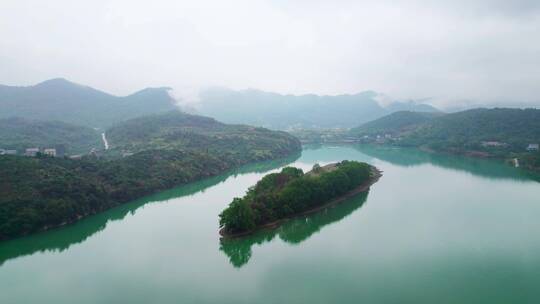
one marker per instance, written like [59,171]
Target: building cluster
[32,152]
[382,138]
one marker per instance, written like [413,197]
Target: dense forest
[280,195]
[42,192]
[20,133]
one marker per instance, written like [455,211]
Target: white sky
[450,51]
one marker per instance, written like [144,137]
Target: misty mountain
[278,111]
[62,100]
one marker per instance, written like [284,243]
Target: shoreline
[275,224]
[474,154]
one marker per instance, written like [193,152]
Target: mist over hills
[279,111]
[62,100]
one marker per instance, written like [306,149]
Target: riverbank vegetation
[64,238]
[289,192]
[43,192]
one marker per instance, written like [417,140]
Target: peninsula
[280,196]
[146,155]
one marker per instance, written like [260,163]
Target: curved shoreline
[376,175]
[90,213]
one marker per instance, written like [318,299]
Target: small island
[280,196]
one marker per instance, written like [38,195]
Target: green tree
[238,217]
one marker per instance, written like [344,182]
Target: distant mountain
[175,130]
[278,111]
[62,100]
[395,123]
[21,133]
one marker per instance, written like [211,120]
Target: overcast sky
[450,50]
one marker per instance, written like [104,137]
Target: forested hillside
[41,192]
[177,130]
[395,123]
[20,133]
[62,100]
[513,129]
[468,129]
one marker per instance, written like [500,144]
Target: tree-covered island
[291,192]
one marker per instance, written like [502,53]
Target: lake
[434,229]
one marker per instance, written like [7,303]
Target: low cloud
[448,51]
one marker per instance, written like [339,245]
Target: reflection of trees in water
[407,157]
[63,238]
[293,231]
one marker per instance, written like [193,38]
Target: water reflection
[407,157]
[295,231]
[63,238]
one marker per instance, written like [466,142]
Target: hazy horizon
[447,53]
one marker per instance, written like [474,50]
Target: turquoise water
[434,229]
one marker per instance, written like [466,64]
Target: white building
[50,152]
[532,147]
[31,151]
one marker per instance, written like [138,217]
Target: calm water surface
[434,229]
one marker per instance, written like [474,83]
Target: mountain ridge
[62,100]
[285,112]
